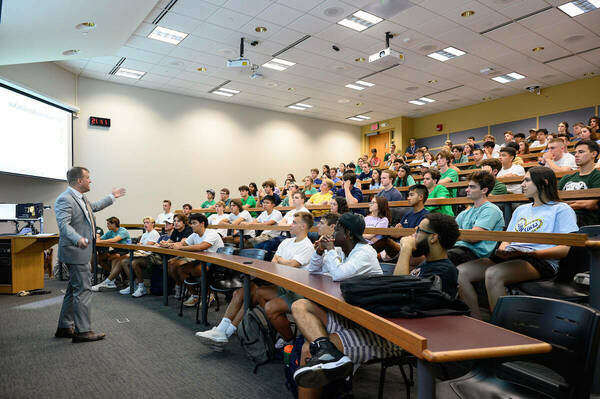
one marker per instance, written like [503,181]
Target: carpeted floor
[149,352]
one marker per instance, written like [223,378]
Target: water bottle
[287,354]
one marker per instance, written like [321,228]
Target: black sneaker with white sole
[327,364]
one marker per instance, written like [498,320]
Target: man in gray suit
[77,227]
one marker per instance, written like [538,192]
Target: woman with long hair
[563,128]
[468,150]
[375,180]
[379,217]
[587,133]
[253,189]
[523,148]
[429,160]
[339,205]
[325,172]
[404,179]
[514,262]
[308,186]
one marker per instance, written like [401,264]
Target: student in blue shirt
[514,262]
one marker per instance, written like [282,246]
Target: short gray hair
[75,173]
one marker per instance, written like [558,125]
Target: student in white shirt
[510,169]
[292,252]
[541,139]
[166,213]
[514,262]
[489,150]
[217,218]
[269,217]
[202,239]
[298,200]
[237,216]
[556,158]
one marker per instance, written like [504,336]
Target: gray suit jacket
[73,224]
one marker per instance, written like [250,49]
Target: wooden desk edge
[502,351]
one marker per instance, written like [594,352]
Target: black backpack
[257,336]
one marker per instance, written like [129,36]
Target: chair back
[388,268]
[573,331]
[226,250]
[254,253]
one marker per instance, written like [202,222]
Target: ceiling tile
[229,19]
[197,9]
[179,22]
[279,14]
[592,56]
[142,55]
[309,24]
[333,10]
[415,17]
[156,46]
[304,5]
[574,66]
[252,8]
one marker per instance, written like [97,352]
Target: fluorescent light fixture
[446,54]
[355,87]
[278,64]
[509,77]
[427,100]
[304,105]
[296,107]
[222,93]
[229,90]
[167,35]
[578,7]
[354,118]
[360,21]
[129,73]
[362,117]
[417,102]
[363,83]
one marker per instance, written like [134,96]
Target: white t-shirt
[361,261]
[216,219]
[495,154]
[160,219]
[567,159]
[538,144]
[300,251]
[289,216]
[152,236]
[513,170]
[210,236]
[555,217]
[247,218]
[265,217]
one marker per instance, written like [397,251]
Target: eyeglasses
[420,230]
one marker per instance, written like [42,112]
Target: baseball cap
[355,224]
[210,190]
[169,220]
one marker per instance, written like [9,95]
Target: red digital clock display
[96,121]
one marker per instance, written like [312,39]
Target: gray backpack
[257,336]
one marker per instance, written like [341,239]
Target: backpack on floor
[257,336]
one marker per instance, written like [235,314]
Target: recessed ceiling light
[362,117]
[201,69]
[359,104]
[578,7]
[278,64]
[291,89]
[70,52]
[416,102]
[304,105]
[353,118]
[432,81]
[343,101]
[130,73]
[536,49]
[446,54]
[509,77]
[229,90]
[427,100]
[260,29]
[360,21]
[167,35]
[296,107]
[363,83]
[467,13]
[222,93]
[85,26]
[360,59]
[355,87]
[333,11]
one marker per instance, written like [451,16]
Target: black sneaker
[327,364]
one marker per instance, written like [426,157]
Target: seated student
[430,180]
[166,213]
[509,169]
[388,191]
[468,150]
[338,205]
[253,190]
[141,259]
[202,239]
[322,198]
[248,201]
[379,217]
[412,147]
[236,217]
[419,159]
[375,180]
[488,150]
[216,218]
[187,210]
[387,155]
[110,261]
[457,155]
[477,158]
[556,158]
[374,161]
[447,174]
[308,186]
[268,188]
[333,343]
[166,232]
[563,128]
[291,189]
[508,138]
[577,131]
[314,174]
[594,124]
[523,147]
[325,172]
[417,195]
[519,137]
[181,230]
[224,193]
[471,140]
[447,146]
[333,175]
[210,199]
[298,201]
[532,136]
[269,217]
[483,215]
[341,169]
[586,153]
[494,166]
[352,194]
[428,160]
[515,262]
[367,173]
[586,133]
[403,177]
[541,139]
[491,138]
[294,252]
[518,160]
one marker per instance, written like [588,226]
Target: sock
[230,330]
[223,325]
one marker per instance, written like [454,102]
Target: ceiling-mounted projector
[239,62]
[387,56]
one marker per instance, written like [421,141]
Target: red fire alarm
[439,127]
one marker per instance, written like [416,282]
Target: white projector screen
[35,136]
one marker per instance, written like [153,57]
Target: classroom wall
[163,145]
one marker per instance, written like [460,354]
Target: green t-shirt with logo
[499,188]
[453,175]
[250,201]
[575,181]
[440,191]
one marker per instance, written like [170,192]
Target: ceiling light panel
[167,35]
[363,83]
[355,87]
[353,118]
[578,7]
[416,102]
[360,21]
[129,73]
[427,100]
[446,54]
[296,107]
[509,77]
[278,64]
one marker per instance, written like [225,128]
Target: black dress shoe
[88,336]
[64,332]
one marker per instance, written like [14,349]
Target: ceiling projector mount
[387,56]
[239,62]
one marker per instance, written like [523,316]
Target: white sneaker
[213,338]
[191,301]
[140,291]
[106,285]
[125,291]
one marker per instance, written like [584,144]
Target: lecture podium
[22,262]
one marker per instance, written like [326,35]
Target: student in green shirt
[404,179]
[493,165]
[308,186]
[430,180]
[210,200]
[447,174]
[386,157]
[248,201]
[457,155]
